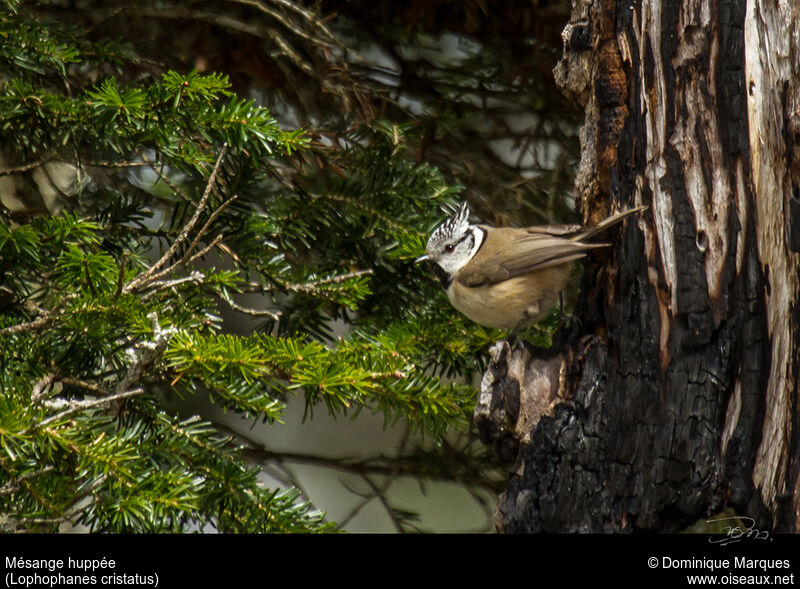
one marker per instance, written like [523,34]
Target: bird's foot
[499,351]
[513,341]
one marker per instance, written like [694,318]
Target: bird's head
[453,243]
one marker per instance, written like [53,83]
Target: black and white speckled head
[453,244]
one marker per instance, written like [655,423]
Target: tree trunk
[677,396]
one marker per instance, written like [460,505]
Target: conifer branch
[86,492]
[152,350]
[371,211]
[47,317]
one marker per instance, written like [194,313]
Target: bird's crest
[455,225]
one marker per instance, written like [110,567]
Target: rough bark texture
[681,396]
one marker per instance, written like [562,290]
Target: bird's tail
[606,223]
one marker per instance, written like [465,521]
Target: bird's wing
[526,252]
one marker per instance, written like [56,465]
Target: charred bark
[680,396]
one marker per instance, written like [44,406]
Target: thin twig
[77,508]
[76,406]
[313,286]
[205,227]
[184,234]
[288,51]
[142,164]
[22,168]
[29,326]
[157,169]
[205,250]
[312,18]
[380,493]
[181,262]
[121,275]
[308,286]
[75,382]
[232,254]
[158,286]
[254,312]
[48,316]
[342,522]
[394,474]
[13,485]
[286,23]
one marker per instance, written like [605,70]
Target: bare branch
[157,169]
[121,275]
[13,485]
[22,168]
[205,250]
[184,234]
[288,51]
[75,382]
[331,42]
[380,494]
[314,286]
[157,286]
[117,164]
[254,312]
[232,254]
[309,287]
[77,406]
[205,227]
[48,316]
[123,390]
[185,262]
[29,326]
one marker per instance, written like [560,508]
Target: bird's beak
[422,258]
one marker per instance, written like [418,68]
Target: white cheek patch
[465,250]
[480,236]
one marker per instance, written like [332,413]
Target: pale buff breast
[526,298]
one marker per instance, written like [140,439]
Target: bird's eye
[449,248]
